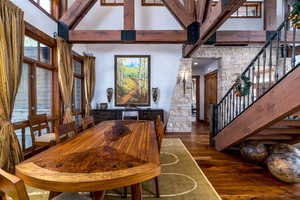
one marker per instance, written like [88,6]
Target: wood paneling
[71,166]
[278,103]
[114,36]
[76,12]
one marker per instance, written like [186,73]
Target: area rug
[180,179]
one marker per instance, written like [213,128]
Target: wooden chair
[13,187]
[87,122]
[130,115]
[65,131]
[38,124]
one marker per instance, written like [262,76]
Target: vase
[109,94]
[155,95]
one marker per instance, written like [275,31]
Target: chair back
[37,124]
[11,186]
[130,115]
[160,131]
[88,122]
[65,131]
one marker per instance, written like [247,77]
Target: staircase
[270,111]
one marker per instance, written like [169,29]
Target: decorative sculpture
[254,152]
[155,95]
[109,94]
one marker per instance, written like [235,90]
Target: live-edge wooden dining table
[97,160]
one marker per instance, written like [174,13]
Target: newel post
[213,123]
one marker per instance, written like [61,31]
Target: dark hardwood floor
[231,176]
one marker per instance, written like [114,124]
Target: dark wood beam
[282,95]
[190,7]
[58,7]
[270,15]
[34,32]
[218,15]
[240,37]
[76,12]
[179,12]
[201,9]
[129,15]
[114,36]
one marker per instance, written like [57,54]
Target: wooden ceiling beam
[76,12]
[216,17]
[201,9]
[270,15]
[129,23]
[179,11]
[115,36]
[240,37]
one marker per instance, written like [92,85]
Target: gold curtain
[89,82]
[11,57]
[65,76]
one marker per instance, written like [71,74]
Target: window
[152,3]
[44,4]
[121,2]
[247,10]
[21,108]
[43,91]
[78,90]
[36,50]
[112,2]
[35,93]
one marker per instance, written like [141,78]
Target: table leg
[98,195]
[53,194]
[136,192]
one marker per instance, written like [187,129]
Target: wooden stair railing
[251,117]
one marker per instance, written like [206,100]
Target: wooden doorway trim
[213,98]
[197,77]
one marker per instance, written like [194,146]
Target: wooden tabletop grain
[96,160]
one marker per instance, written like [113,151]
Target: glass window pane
[31,48]
[45,54]
[242,11]
[21,108]
[78,120]
[77,94]
[252,11]
[44,91]
[77,67]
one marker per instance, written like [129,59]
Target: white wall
[165,60]
[36,17]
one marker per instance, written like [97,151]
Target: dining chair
[37,125]
[130,115]
[12,187]
[66,131]
[87,122]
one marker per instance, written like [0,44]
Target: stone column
[180,118]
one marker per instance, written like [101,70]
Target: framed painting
[132,80]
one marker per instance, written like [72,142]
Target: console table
[116,114]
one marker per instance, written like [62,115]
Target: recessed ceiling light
[195,63]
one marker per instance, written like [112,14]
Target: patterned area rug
[181,178]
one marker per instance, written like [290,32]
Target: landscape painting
[132,80]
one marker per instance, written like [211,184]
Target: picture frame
[132,80]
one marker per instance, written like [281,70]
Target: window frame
[257,4]
[78,58]
[144,3]
[104,3]
[39,36]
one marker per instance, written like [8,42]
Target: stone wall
[233,61]
[180,118]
